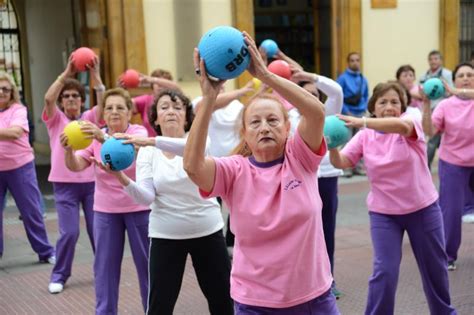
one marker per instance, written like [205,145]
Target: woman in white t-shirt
[223,133]
[181,222]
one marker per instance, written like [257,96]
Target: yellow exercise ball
[76,138]
[256,84]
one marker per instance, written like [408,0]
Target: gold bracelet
[61,79]
[364,119]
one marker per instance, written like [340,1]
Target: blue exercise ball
[117,154]
[433,88]
[224,52]
[335,132]
[270,46]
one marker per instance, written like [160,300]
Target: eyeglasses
[73,95]
[5,90]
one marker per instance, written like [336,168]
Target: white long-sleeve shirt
[177,209]
[332,106]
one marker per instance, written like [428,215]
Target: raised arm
[223,99]
[164,83]
[402,126]
[311,109]
[427,122]
[333,91]
[462,93]
[331,88]
[201,169]
[99,87]
[281,55]
[51,96]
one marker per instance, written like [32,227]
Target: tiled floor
[23,281]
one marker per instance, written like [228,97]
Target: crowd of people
[267,162]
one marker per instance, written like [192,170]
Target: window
[466,31]
[10,50]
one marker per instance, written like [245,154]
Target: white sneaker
[51,260]
[468,218]
[55,287]
[452,266]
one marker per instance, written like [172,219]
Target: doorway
[301,28]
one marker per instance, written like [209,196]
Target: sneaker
[336,292]
[468,218]
[452,266]
[55,287]
[50,260]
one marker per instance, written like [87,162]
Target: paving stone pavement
[24,281]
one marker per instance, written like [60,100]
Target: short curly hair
[73,84]
[15,94]
[380,90]
[118,92]
[174,95]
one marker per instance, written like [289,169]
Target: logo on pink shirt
[294,183]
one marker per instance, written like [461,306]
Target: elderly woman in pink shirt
[63,103]
[454,118]
[402,198]
[115,212]
[17,169]
[280,263]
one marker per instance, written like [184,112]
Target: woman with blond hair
[280,263]
[17,170]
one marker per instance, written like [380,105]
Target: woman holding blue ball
[115,212]
[454,119]
[63,103]
[394,150]
[280,263]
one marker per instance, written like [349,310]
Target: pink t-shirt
[109,194]
[397,168]
[454,117]
[143,104]
[59,172]
[280,258]
[15,153]
[288,106]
